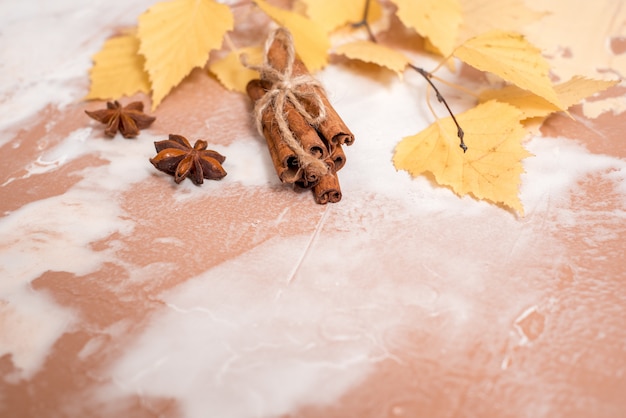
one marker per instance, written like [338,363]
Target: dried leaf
[513,58]
[118,70]
[177,36]
[481,16]
[578,88]
[310,39]
[375,53]
[569,93]
[437,20]
[331,14]
[491,167]
[231,73]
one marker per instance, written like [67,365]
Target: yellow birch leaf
[569,93]
[481,16]
[513,58]
[331,14]
[375,53]
[177,36]
[310,39]
[578,88]
[489,170]
[437,20]
[231,73]
[118,69]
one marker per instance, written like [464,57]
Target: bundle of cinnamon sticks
[304,133]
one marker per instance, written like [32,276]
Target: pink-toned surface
[123,294]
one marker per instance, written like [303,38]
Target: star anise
[175,156]
[128,119]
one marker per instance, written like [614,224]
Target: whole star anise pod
[128,119]
[175,156]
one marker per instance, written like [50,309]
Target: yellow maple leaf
[481,16]
[331,14]
[569,93]
[310,40]
[231,73]
[437,20]
[511,57]
[177,36]
[118,69]
[375,53]
[491,167]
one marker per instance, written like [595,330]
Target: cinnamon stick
[333,127]
[284,159]
[327,190]
[338,157]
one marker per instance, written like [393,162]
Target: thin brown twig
[427,76]
[363,22]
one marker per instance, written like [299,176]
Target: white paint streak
[211,365]
[555,169]
[55,234]
[30,323]
[55,69]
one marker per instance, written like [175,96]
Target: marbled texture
[124,294]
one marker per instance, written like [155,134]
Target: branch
[427,76]
[363,22]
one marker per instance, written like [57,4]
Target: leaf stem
[427,76]
[454,86]
[229,43]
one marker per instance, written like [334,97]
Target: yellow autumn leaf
[375,53]
[569,93]
[331,14]
[437,20]
[177,36]
[481,16]
[310,39]
[491,167]
[231,73]
[578,88]
[118,69]
[511,57]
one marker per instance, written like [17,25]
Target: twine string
[295,90]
